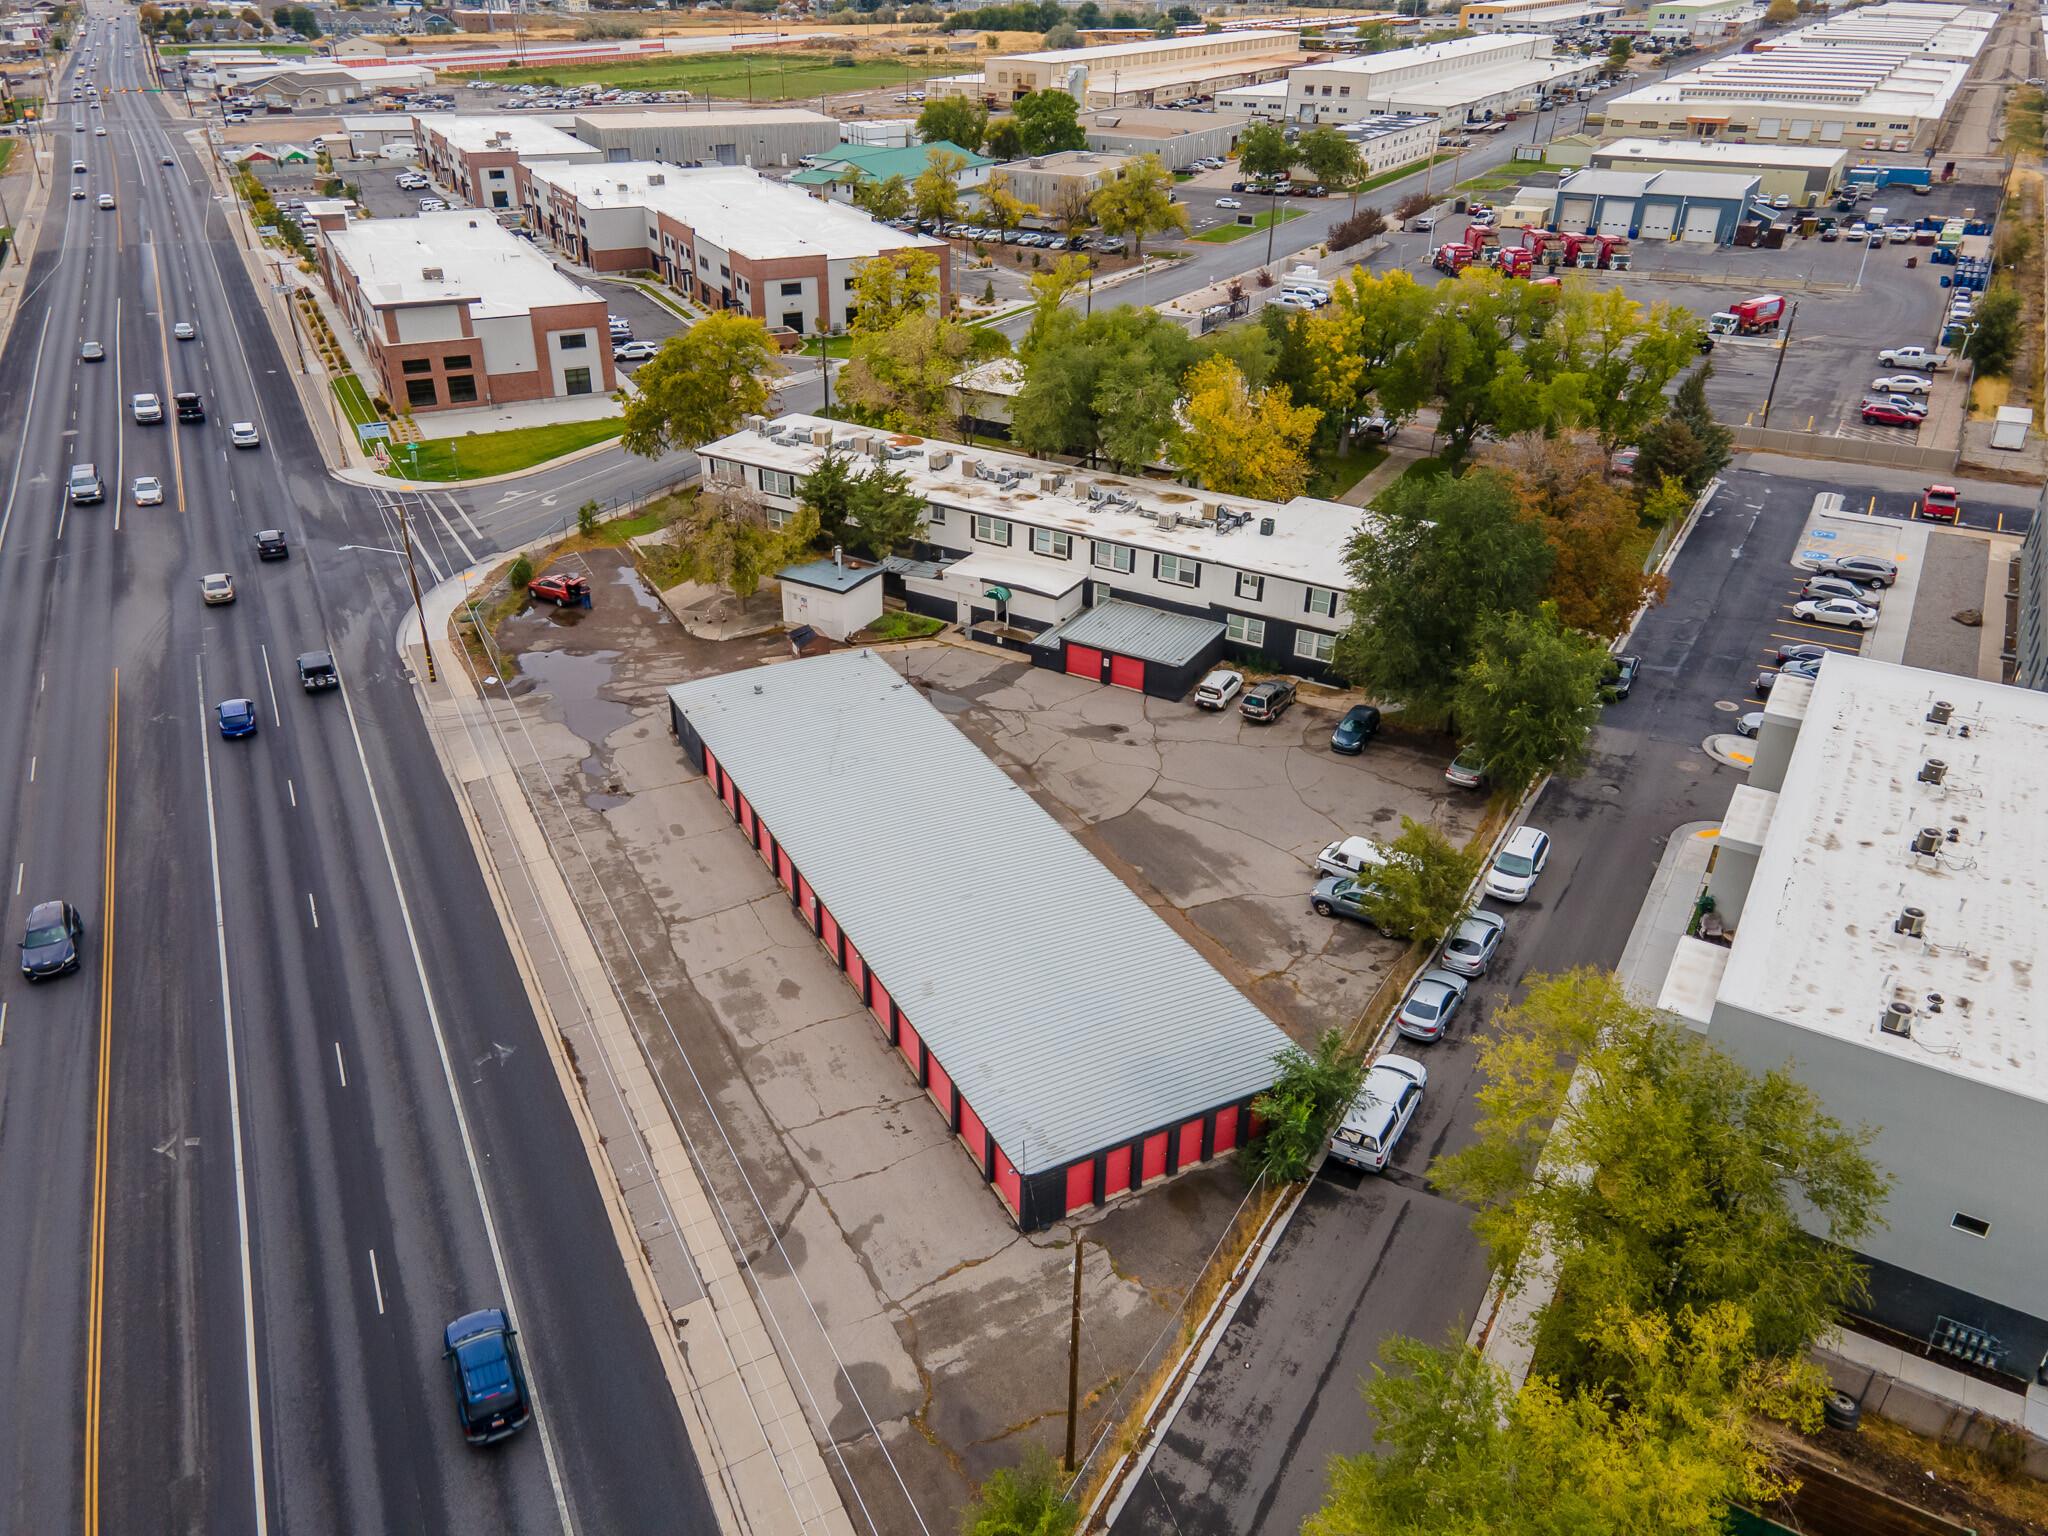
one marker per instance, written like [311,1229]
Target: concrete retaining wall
[1850,450]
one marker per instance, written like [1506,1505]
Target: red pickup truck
[1943,504]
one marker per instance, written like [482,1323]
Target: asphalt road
[267,1044]
[1367,1259]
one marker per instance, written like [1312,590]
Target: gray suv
[86,485]
[1267,700]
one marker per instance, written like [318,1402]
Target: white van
[1351,856]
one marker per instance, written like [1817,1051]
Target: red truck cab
[1942,504]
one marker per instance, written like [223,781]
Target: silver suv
[85,484]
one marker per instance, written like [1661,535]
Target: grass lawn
[355,400]
[6,153]
[904,626]
[499,453]
[1263,221]
[754,76]
[1400,172]
[1427,469]
[1333,476]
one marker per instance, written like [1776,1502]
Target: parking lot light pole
[1784,345]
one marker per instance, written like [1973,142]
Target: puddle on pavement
[573,681]
[600,800]
[629,578]
[949,703]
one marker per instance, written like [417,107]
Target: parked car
[1840,586]
[1512,875]
[1901,384]
[1836,610]
[1467,770]
[1386,1103]
[1621,675]
[1351,856]
[1804,666]
[1905,403]
[1268,700]
[1349,896]
[1882,413]
[237,717]
[1470,947]
[1942,503]
[1425,1013]
[490,1382]
[1869,570]
[49,942]
[559,588]
[1799,652]
[1218,688]
[1911,357]
[1228,202]
[635,351]
[1360,724]
[1749,724]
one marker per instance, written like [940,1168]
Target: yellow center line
[96,1308]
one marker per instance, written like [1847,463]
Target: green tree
[1028,1500]
[520,576]
[1065,35]
[1048,122]
[1618,50]
[1332,159]
[1530,697]
[1309,1092]
[700,385]
[1106,385]
[1782,13]
[726,538]
[1071,209]
[1672,1182]
[1140,203]
[1468,358]
[1445,556]
[827,493]
[953,120]
[887,200]
[936,192]
[1668,454]
[890,288]
[1996,341]
[1427,884]
[1665,503]
[1370,321]
[1265,151]
[1689,408]
[1049,289]
[888,513]
[1617,355]
[1005,140]
[902,378]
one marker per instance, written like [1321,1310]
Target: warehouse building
[838,171]
[1022,545]
[1495,16]
[1074,1044]
[1883,881]
[1179,139]
[1263,103]
[1043,179]
[1468,78]
[730,238]
[768,136]
[1694,206]
[1702,20]
[1148,73]
[455,311]
[1798,171]
[1393,139]
[480,156]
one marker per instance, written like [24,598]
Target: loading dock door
[1617,218]
[1084,661]
[1127,672]
[1658,219]
[1702,224]
[1575,215]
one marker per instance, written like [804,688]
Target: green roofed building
[836,173]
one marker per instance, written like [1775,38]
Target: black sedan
[1621,675]
[1359,725]
[50,946]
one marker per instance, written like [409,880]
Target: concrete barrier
[1848,450]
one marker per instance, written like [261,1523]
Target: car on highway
[99,133]
[1360,723]
[1425,1013]
[237,717]
[1267,701]
[243,434]
[1228,202]
[1470,947]
[316,671]
[1386,1103]
[1749,724]
[1841,586]
[78,194]
[1882,413]
[189,406]
[1512,874]
[78,167]
[149,491]
[1870,570]
[91,352]
[146,407]
[85,485]
[1467,770]
[1901,384]
[1621,675]
[183,330]
[217,588]
[271,545]
[49,943]
[106,200]
[170,159]
[1836,610]
[1218,688]
[1803,666]
[635,351]
[490,1383]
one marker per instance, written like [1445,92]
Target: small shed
[1131,645]
[2011,428]
[834,597]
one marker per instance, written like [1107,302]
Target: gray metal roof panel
[828,575]
[1133,629]
[1069,1013]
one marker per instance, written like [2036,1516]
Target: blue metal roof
[1133,629]
[1069,1014]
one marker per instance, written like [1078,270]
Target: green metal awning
[1000,594]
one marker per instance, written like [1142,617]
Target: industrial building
[1394,139]
[1798,171]
[1881,78]
[728,136]
[1882,880]
[1263,103]
[455,311]
[1023,545]
[837,171]
[1495,16]
[480,156]
[1150,73]
[2030,604]
[1703,20]
[1468,78]
[1178,138]
[1073,1043]
[729,237]
[1694,206]
[1043,179]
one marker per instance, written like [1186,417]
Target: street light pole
[1074,1357]
[1784,346]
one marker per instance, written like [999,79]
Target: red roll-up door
[1084,660]
[1155,1158]
[1127,672]
[1119,1178]
[1191,1144]
[856,968]
[878,1002]
[747,820]
[1007,1183]
[975,1134]
[940,1087]
[1080,1184]
[783,871]
[807,903]
[710,766]
[829,931]
[728,791]
[906,1039]
[1226,1129]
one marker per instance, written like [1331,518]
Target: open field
[753,75]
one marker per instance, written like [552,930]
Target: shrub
[1029,1500]
[842,61]
[1357,229]
[1412,204]
[988,292]
[520,574]
[586,517]
[1308,1093]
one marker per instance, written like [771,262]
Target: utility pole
[1074,1357]
[413,576]
[1784,345]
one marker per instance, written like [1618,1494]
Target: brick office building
[479,156]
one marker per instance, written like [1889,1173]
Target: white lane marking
[476,1178]
[227,1020]
[463,512]
[467,557]
[3,1024]
[338,1066]
[276,719]
[292,792]
[312,909]
[378,1283]
[31,770]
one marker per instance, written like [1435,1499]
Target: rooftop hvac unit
[1912,923]
[821,437]
[860,442]
[1927,842]
[1933,771]
[1266,526]
[939,461]
[755,423]
[1165,517]
[1940,713]
[1897,1019]
[430,274]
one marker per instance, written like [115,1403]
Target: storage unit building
[1075,1044]
[837,598]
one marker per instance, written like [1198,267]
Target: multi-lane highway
[293,1112]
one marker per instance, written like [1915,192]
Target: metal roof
[1132,629]
[1069,1014]
[826,574]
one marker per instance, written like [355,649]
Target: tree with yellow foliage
[1001,207]
[1239,440]
[889,289]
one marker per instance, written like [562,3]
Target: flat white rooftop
[1162,51]
[760,117]
[733,207]
[1816,948]
[503,131]
[1711,155]
[495,271]
[1307,543]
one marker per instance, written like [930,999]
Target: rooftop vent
[1940,713]
[1166,517]
[656,178]
[1912,923]
[821,437]
[1927,841]
[1897,1019]
[1266,526]
[430,274]
[1933,771]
